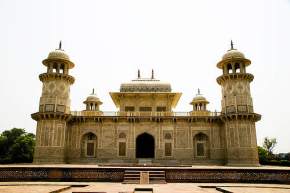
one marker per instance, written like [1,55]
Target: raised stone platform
[196,174]
[105,187]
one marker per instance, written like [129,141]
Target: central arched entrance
[145,146]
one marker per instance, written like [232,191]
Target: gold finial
[152,74]
[139,75]
[59,45]
[198,91]
[93,91]
[232,45]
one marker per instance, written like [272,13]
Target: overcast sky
[182,40]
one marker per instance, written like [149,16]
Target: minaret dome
[58,61]
[233,61]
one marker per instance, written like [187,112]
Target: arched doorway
[89,145]
[201,146]
[145,146]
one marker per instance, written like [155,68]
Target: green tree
[263,155]
[16,146]
[269,144]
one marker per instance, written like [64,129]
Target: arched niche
[201,146]
[122,145]
[89,145]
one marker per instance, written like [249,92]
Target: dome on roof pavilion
[199,98]
[145,85]
[92,98]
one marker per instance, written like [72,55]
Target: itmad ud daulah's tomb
[145,127]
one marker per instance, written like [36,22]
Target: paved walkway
[70,187]
[31,188]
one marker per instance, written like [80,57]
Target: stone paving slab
[48,187]
[129,188]
[255,190]
[31,188]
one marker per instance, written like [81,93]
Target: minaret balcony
[241,116]
[50,115]
[234,76]
[53,76]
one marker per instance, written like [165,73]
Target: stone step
[131,182]
[138,171]
[158,174]
[131,174]
[133,177]
[157,182]
[144,161]
[156,177]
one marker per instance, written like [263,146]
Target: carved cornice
[207,119]
[56,76]
[146,88]
[241,116]
[246,76]
[50,115]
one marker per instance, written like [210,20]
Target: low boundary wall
[173,174]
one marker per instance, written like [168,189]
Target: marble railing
[138,113]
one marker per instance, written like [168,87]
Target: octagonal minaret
[54,108]
[237,109]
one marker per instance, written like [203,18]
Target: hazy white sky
[182,40]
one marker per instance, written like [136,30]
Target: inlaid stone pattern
[146,129]
[172,175]
[10,174]
[220,175]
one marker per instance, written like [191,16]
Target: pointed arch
[201,146]
[122,145]
[89,143]
[229,68]
[237,67]
[145,146]
[168,141]
[122,136]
